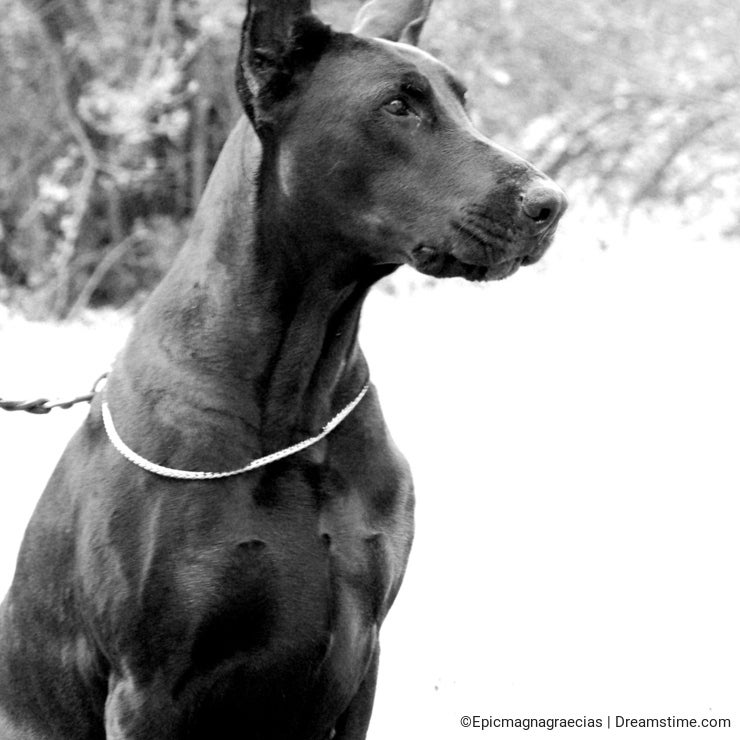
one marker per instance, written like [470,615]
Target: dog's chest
[298,591]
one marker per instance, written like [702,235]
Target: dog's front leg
[121,707]
[132,713]
[353,723]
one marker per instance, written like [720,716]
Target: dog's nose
[542,206]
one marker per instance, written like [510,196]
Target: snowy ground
[574,433]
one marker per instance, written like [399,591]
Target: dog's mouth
[478,248]
[441,262]
[490,263]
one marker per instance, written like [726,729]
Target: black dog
[248,606]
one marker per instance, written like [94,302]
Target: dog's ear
[281,40]
[394,20]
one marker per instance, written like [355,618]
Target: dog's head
[368,145]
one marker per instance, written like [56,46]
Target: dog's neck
[247,332]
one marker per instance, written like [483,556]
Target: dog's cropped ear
[394,20]
[280,40]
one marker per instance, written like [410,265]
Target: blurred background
[573,431]
[114,113]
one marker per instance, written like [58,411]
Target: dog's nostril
[543,215]
[542,204]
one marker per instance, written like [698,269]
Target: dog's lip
[442,262]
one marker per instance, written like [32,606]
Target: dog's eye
[398,107]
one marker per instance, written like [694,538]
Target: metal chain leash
[45,405]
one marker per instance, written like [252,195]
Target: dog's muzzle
[490,240]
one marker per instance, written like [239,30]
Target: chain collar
[142,462]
